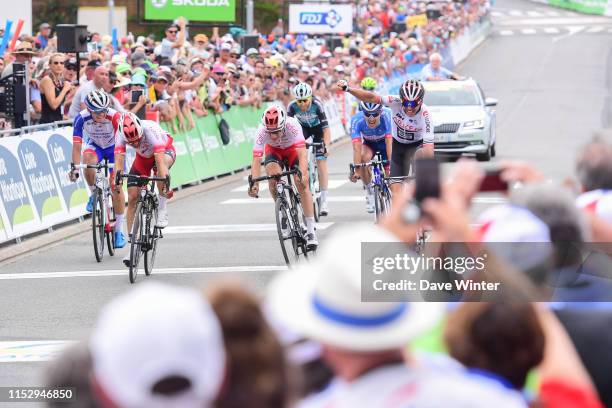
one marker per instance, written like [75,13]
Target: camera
[13,95]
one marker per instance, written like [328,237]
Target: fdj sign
[194,10]
[330,18]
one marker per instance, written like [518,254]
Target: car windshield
[451,94]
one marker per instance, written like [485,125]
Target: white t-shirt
[398,386]
[79,97]
[409,129]
[292,136]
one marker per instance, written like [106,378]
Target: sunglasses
[127,74]
[410,104]
[371,114]
[172,31]
[275,132]
[301,101]
[58,62]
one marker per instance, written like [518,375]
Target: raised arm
[362,95]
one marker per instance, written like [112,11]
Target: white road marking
[551,30]
[506,32]
[497,14]
[31,351]
[268,200]
[200,229]
[349,199]
[572,31]
[157,271]
[552,21]
[553,13]
[594,29]
[263,186]
[532,13]
[516,13]
[528,31]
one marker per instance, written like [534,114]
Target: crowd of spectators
[187,72]
[311,341]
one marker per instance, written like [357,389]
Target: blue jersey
[360,129]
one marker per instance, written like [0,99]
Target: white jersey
[398,386]
[598,202]
[154,140]
[292,136]
[409,129]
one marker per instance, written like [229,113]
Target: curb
[51,239]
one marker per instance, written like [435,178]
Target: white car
[463,119]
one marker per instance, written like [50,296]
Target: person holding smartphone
[412,128]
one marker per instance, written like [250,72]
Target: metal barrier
[29,129]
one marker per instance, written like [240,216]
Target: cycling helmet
[97,101]
[369,107]
[369,83]
[131,127]
[274,118]
[412,90]
[302,91]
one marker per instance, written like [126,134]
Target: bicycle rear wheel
[110,217]
[282,210]
[299,220]
[152,237]
[97,225]
[136,244]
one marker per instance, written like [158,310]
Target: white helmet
[97,101]
[302,91]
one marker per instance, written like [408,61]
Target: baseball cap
[252,51]
[305,69]
[326,54]
[139,79]
[231,68]
[339,68]
[154,333]
[94,64]
[218,69]
[226,47]
[200,37]
[138,56]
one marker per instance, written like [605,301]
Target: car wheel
[486,156]
[493,153]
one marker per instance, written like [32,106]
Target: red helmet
[274,118]
[131,127]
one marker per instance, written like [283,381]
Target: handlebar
[98,166]
[276,177]
[145,178]
[315,144]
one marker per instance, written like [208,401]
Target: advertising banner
[193,10]
[319,18]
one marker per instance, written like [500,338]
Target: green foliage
[266,15]
[55,12]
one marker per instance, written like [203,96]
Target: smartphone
[493,182]
[427,172]
[136,95]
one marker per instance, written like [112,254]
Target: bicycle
[382,193]
[313,173]
[103,214]
[144,234]
[288,207]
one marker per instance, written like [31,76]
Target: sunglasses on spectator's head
[371,114]
[410,104]
[300,101]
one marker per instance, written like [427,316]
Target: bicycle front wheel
[152,237]
[287,238]
[314,190]
[97,225]
[110,217]
[137,241]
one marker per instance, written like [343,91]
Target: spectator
[199,49]
[175,38]
[54,89]
[23,54]
[180,358]
[258,375]
[42,38]
[99,81]
[434,71]
[251,57]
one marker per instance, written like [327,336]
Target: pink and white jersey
[154,140]
[409,129]
[292,136]
[598,202]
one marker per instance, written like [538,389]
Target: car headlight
[473,124]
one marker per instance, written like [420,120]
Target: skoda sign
[320,18]
[193,10]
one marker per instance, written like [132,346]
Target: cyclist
[154,151]
[311,115]
[367,83]
[370,133]
[281,139]
[98,124]
[412,129]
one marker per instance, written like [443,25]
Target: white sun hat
[322,299]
